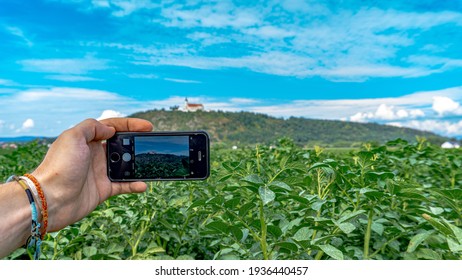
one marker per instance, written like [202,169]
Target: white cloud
[124,8]
[143,76]
[442,127]
[244,100]
[208,39]
[181,81]
[4,82]
[16,31]
[270,32]
[397,124]
[361,117]
[221,14]
[27,124]
[445,105]
[71,105]
[75,66]
[343,46]
[119,8]
[278,63]
[71,78]
[57,93]
[110,114]
[290,38]
[387,113]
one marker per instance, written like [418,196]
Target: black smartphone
[146,156]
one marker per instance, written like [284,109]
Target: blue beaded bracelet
[34,241]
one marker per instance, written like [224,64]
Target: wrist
[16,217]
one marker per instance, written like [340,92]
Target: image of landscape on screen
[161,157]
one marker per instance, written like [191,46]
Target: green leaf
[453,194]
[303,234]
[377,228]
[346,227]
[233,202]
[287,226]
[197,203]
[283,162]
[89,251]
[236,232]
[456,230]
[217,200]
[380,175]
[19,252]
[316,206]
[454,246]
[299,199]
[287,245]
[372,194]
[253,179]
[444,229]
[266,195]
[218,226]
[86,225]
[412,194]
[225,177]
[230,166]
[274,230]
[428,254]
[154,250]
[331,251]
[436,210]
[246,208]
[347,216]
[417,240]
[319,165]
[99,233]
[178,201]
[185,257]
[280,185]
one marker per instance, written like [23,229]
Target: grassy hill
[243,128]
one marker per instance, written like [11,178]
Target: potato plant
[395,201]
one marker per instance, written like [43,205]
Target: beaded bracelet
[34,191]
[34,241]
[42,201]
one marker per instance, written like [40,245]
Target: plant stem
[367,236]
[319,255]
[263,243]
[258,156]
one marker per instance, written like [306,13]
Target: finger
[129,187]
[128,124]
[93,130]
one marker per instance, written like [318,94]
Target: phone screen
[161,157]
[158,156]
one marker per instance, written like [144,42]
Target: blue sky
[391,62]
[164,145]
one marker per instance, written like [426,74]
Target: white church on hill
[192,107]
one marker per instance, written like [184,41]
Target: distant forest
[161,166]
[244,128]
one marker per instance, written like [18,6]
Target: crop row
[396,201]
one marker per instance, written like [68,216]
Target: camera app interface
[161,157]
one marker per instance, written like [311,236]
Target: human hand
[73,174]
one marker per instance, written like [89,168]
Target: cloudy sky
[392,62]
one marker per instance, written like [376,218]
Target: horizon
[29,137]
[394,63]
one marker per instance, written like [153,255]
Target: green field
[396,201]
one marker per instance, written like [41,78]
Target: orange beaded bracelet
[43,202]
